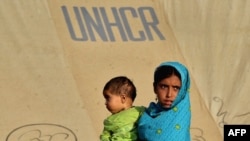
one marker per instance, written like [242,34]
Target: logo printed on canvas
[41,132]
[97,24]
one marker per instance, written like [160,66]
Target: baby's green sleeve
[105,136]
[122,126]
[125,133]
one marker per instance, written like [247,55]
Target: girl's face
[114,103]
[167,89]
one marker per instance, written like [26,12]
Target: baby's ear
[123,98]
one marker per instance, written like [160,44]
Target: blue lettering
[127,25]
[108,24]
[147,24]
[70,26]
[99,23]
[98,26]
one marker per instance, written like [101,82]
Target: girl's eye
[177,88]
[163,86]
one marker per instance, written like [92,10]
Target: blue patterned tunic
[171,124]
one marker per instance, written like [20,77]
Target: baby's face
[113,102]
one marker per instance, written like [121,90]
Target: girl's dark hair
[163,72]
[121,85]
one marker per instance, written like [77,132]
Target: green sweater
[122,126]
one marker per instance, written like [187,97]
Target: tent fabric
[57,55]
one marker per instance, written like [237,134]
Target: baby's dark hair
[163,72]
[121,85]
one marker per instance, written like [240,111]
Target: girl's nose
[169,93]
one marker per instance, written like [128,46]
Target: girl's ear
[155,87]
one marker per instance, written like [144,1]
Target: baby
[120,93]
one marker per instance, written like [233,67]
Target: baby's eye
[106,97]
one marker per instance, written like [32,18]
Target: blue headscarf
[169,124]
